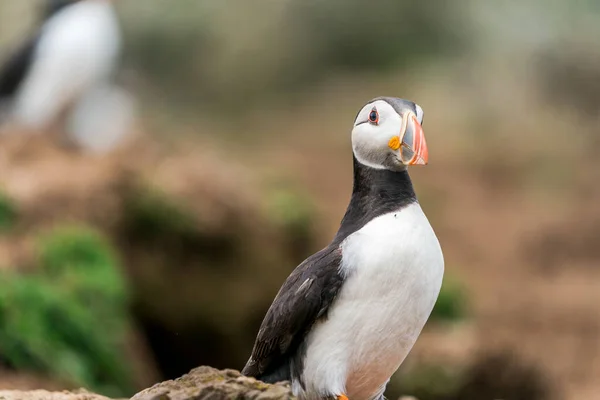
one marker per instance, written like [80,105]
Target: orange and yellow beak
[411,142]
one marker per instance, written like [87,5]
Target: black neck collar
[375,192]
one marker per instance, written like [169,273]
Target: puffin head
[388,134]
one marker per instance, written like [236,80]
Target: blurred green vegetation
[152,220]
[497,375]
[69,320]
[8,212]
[429,381]
[293,212]
[84,263]
[380,34]
[240,53]
[452,302]
[150,215]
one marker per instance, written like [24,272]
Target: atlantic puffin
[346,317]
[76,47]
[16,67]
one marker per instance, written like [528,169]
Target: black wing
[303,299]
[16,67]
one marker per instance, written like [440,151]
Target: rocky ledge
[203,383]
[206,383]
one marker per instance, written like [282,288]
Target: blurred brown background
[241,167]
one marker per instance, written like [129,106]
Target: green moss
[8,212]
[69,321]
[451,304]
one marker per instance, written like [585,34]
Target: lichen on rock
[209,383]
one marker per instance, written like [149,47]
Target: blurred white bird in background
[68,67]
[101,118]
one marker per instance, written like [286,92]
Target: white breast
[77,49]
[394,267]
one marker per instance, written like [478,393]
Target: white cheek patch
[370,142]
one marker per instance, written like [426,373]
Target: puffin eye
[374,116]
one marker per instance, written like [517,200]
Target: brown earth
[209,243]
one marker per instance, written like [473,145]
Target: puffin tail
[279,374]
